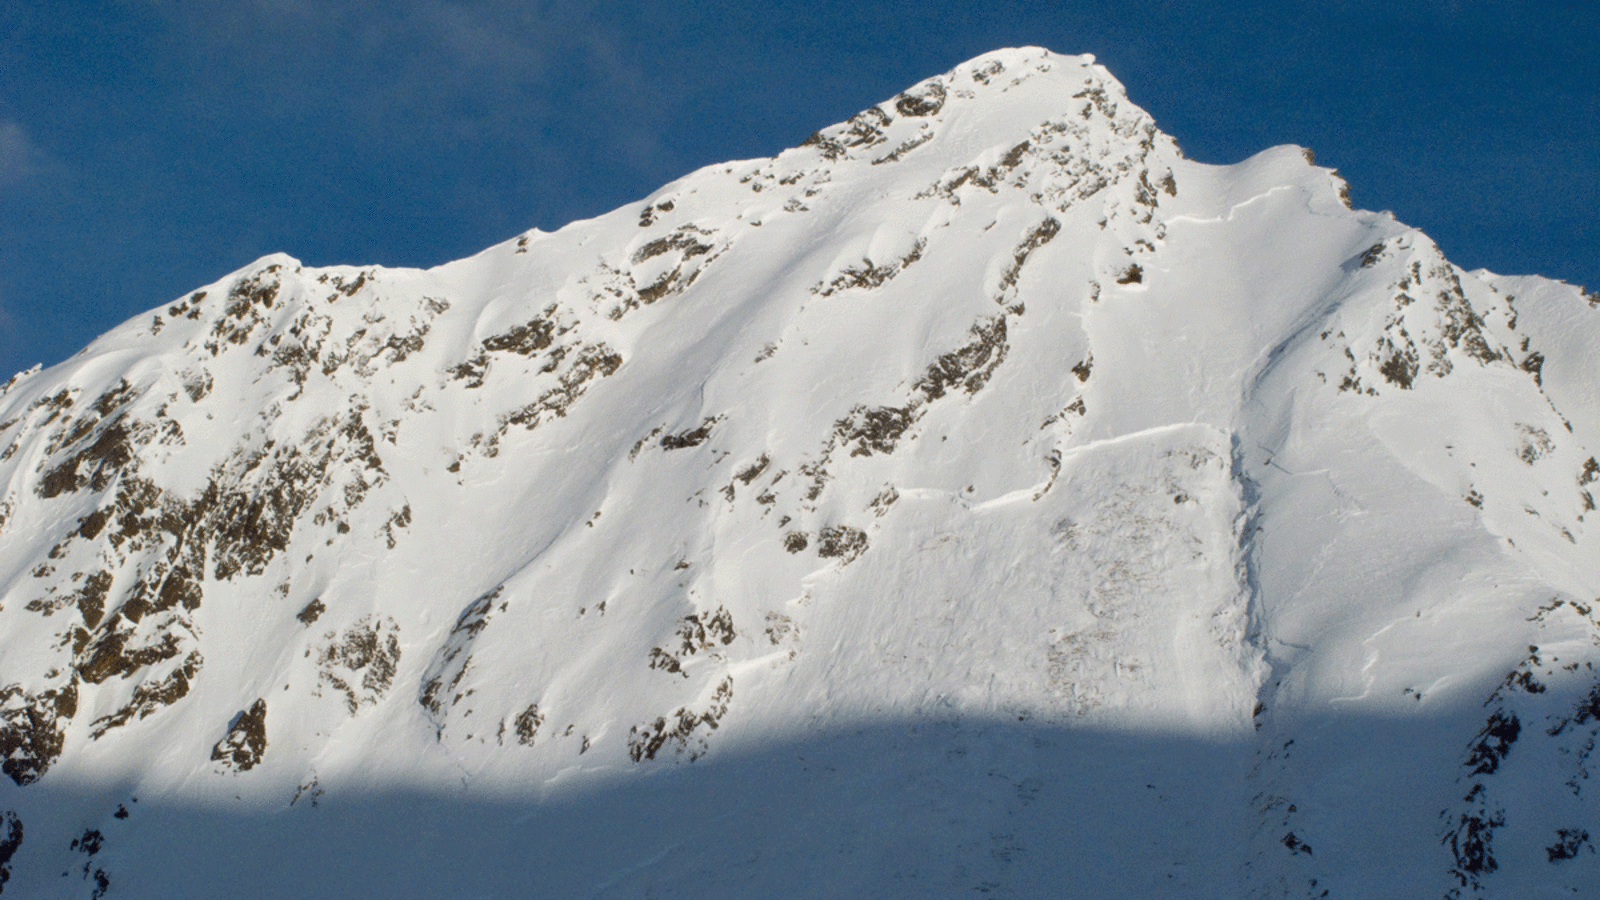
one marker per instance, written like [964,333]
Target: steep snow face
[979,496]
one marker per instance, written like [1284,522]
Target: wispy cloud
[424,47]
[20,159]
[457,68]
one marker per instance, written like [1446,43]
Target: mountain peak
[980,476]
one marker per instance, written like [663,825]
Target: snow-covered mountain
[978,499]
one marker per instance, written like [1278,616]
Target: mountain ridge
[982,407]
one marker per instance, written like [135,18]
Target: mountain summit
[979,498]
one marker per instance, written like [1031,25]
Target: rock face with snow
[980,497]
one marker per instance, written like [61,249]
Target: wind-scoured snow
[977,499]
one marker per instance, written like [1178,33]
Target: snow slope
[979,497]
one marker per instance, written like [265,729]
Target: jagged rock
[246,741]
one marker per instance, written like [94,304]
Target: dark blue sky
[150,146]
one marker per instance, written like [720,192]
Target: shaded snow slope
[979,497]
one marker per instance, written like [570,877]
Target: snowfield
[978,499]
